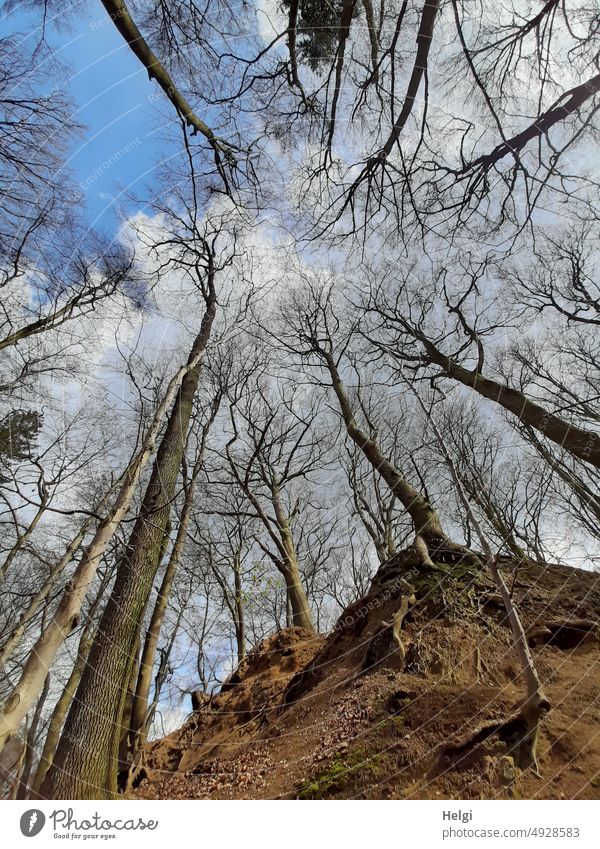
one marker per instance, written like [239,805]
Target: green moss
[327,782]
[358,768]
[399,720]
[454,588]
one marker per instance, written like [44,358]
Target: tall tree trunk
[239,618]
[60,710]
[65,618]
[286,559]
[301,615]
[141,687]
[583,444]
[62,705]
[139,713]
[425,518]
[85,766]
[124,729]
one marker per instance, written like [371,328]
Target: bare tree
[36,130]
[274,446]
[224,542]
[31,680]
[313,332]
[93,769]
[139,723]
[397,325]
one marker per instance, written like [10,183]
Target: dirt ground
[349,715]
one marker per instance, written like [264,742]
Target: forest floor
[346,716]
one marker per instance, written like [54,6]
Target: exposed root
[132,777]
[201,700]
[520,733]
[378,649]
[422,550]
[441,549]
[398,618]
[478,664]
[563,633]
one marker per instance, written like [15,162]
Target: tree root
[444,550]
[133,776]
[520,733]
[378,648]
[564,633]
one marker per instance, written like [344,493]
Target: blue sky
[125,116]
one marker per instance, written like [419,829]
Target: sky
[125,116]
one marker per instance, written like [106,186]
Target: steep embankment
[351,715]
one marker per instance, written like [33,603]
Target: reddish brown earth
[346,716]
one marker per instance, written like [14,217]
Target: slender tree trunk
[14,638]
[389,539]
[22,792]
[85,766]
[22,539]
[301,615]
[235,603]
[585,445]
[161,675]
[239,619]
[496,520]
[535,704]
[425,518]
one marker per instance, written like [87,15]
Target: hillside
[350,715]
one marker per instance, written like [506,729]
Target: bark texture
[86,762]
[60,711]
[425,519]
[140,712]
[66,616]
[585,445]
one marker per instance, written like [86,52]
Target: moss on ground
[455,589]
[345,776]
